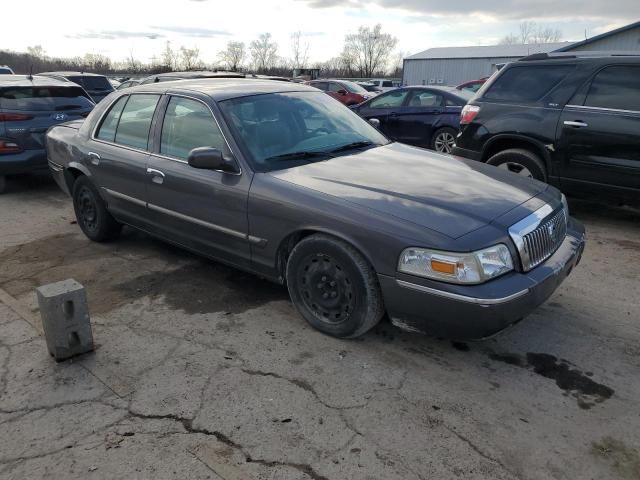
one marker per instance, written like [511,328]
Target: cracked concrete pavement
[201,371]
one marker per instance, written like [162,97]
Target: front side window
[389,100]
[425,98]
[615,87]
[352,87]
[107,130]
[188,124]
[320,85]
[529,83]
[280,130]
[135,121]
[335,87]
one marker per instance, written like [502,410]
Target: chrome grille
[539,235]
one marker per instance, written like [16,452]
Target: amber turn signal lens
[443,267]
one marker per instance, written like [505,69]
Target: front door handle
[575,123]
[94,157]
[157,175]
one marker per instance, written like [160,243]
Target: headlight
[454,267]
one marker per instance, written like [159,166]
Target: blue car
[421,116]
[29,105]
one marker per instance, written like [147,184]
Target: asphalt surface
[202,371]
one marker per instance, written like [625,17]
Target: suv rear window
[528,83]
[93,83]
[44,98]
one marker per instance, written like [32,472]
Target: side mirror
[208,158]
[342,92]
[374,122]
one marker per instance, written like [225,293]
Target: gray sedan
[279,180]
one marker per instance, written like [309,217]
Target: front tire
[333,286]
[443,140]
[520,161]
[91,212]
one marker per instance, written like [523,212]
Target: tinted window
[352,87]
[321,85]
[135,121]
[189,124]
[425,98]
[93,83]
[616,87]
[44,98]
[335,87]
[389,100]
[107,130]
[387,83]
[527,83]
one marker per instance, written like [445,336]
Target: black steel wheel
[333,286]
[91,212]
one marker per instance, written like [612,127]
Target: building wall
[448,71]
[623,41]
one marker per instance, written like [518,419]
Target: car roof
[580,57]
[72,74]
[34,81]
[223,88]
[197,74]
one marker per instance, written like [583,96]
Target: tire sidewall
[100,233]
[528,160]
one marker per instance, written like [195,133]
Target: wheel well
[286,247]
[71,175]
[508,143]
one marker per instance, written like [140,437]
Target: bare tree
[132,63]
[369,49]
[532,33]
[233,56]
[37,51]
[300,51]
[510,39]
[190,58]
[170,58]
[263,52]
[547,35]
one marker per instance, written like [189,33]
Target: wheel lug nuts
[332,284]
[321,286]
[325,295]
[324,279]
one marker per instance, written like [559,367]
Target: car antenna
[30,76]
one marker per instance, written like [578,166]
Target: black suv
[571,121]
[97,86]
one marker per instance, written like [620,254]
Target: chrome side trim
[122,196]
[602,109]
[197,221]
[462,298]
[55,167]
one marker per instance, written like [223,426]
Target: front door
[386,107]
[415,120]
[204,210]
[600,134]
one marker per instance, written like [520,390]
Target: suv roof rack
[566,55]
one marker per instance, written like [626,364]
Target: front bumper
[478,311]
[24,162]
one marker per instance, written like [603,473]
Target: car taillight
[14,117]
[8,146]
[469,113]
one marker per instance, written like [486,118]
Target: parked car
[571,121]
[422,116]
[370,87]
[127,84]
[472,85]
[114,83]
[382,84]
[346,92]
[5,70]
[97,86]
[172,76]
[271,178]
[28,107]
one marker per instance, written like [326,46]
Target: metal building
[455,65]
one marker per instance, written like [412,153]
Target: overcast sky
[118,27]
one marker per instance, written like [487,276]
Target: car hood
[445,194]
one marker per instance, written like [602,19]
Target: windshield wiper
[305,154]
[349,146]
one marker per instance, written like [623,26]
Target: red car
[344,91]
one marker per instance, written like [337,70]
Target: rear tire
[520,161]
[333,286]
[91,212]
[443,140]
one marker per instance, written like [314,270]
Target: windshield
[281,130]
[353,87]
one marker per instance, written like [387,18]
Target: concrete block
[65,319]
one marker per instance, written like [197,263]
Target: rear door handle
[95,158]
[575,123]
[158,176]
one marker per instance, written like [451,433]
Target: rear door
[117,155]
[416,118]
[26,112]
[599,133]
[202,209]
[385,107]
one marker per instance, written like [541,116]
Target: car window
[615,87]
[528,83]
[135,121]
[389,100]
[425,98]
[44,98]
[93,83]
[387,83]
[188,124]
[107,130]
[335,87]
[321,85]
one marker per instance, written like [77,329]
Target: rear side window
[387,83]
[321,85]
[135,121]
[93,83]
[528,83]
[44,98]
[107,130]
[615,87]
[389,100]
[188,124]
[425,98]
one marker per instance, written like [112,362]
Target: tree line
[366,53]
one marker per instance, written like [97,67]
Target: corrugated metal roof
[631,26]
[489,51]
